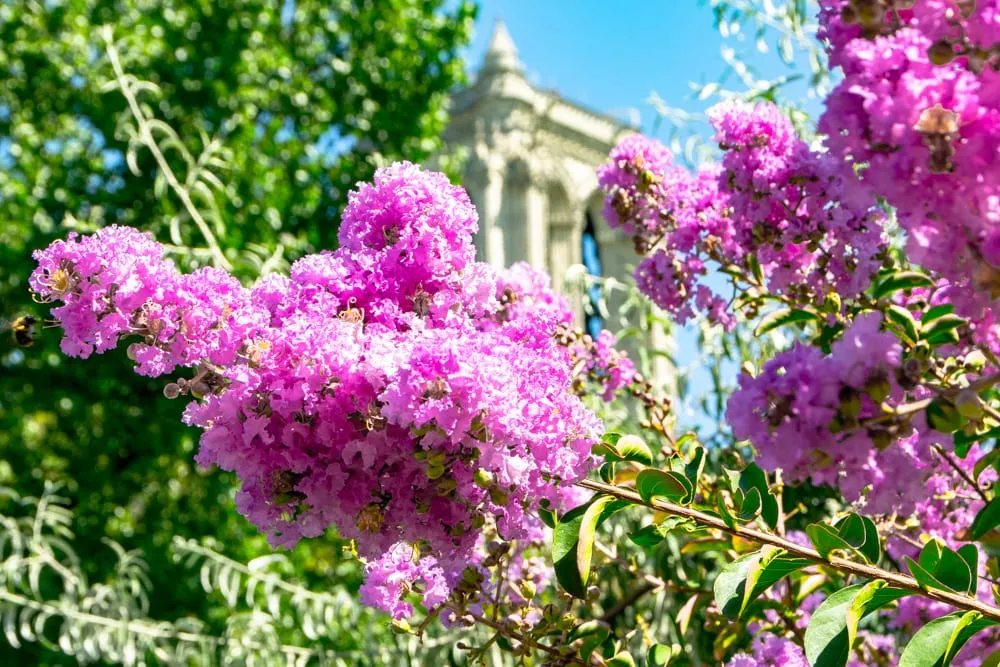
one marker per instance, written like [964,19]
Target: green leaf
[752,477]
[742,581]
[659,655]
[904,324]
[724,513]
[943,416]
[730,584]
[647,536]
[568,536]
[750,507]
[937,642]
[940,567]
[826,539]
[607,473]
[834,623]
[783,317]
[695,466]
[991,459]
[632,448]
[623,659]
[970,554]
[900,280]
[860,532]
[937,328]
[618,447]
[652,483]
[594,633]
[935,312]
[987,519]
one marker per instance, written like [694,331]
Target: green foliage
[268,112]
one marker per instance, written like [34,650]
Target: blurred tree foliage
[296,101]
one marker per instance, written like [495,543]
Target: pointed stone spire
[501,55]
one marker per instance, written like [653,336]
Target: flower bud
[483,479]
[878,386]
[172,390]
[850,403]
[941,52]
[498,496]
[969,405]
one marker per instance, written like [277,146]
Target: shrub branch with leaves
[438,412]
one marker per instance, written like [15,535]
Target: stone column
[485,182]
[536,225]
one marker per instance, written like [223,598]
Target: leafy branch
[127,85]
[872,572]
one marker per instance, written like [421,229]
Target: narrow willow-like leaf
[783,317]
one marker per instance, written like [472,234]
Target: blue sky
[610,56]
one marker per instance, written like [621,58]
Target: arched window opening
[592,260]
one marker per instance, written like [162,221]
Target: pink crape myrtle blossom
[917,118]
[393,388]
[807,224]
[805,413]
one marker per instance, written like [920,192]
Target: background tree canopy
[280,107]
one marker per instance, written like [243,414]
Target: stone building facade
[531,172]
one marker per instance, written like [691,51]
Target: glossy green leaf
[826,539]
[937,642]
[834,623]
[752,477]
[860,532]
[623,659]
[936,329]
[647,536]
[987,519]
[900,280]
[577,527]
[652,483]
[660,655]
[593,633]
[935,312]
[743,580]
[903,323]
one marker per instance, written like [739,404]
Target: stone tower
[531,173]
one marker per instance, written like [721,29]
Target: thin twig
[527,641]
[962,473]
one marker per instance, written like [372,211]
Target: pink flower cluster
[393,388]
[917,115]
[819,417]
[771,651]
[811,229]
